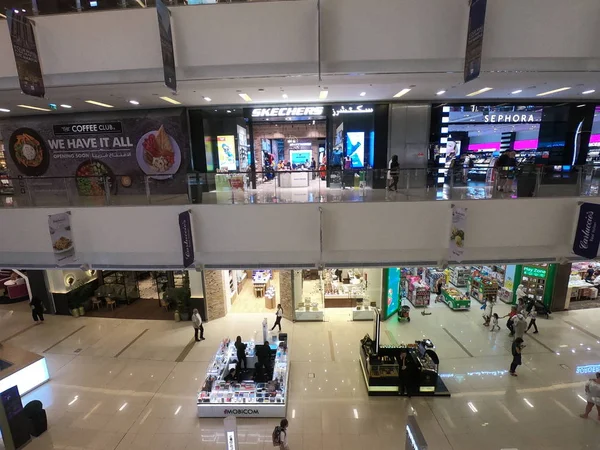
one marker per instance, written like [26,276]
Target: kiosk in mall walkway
[380,365]
[258,391]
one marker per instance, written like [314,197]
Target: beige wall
[215,294]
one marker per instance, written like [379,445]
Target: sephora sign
[510,117]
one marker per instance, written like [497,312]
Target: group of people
[262,368]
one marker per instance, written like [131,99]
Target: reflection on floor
[142,308]
[116,384]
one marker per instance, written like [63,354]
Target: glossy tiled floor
[116,384]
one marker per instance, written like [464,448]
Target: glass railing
[35,8]
[302,186]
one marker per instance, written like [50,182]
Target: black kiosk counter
[385,370]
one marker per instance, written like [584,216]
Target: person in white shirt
[278,316]
[197,324]
[592,394]
[532,317]
[521,292]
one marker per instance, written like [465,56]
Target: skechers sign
[587,235]
[288,112]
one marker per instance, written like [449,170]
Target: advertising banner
[243,148]
[22,36]
[355,148]
[99,152]
[166,44]
[393,292]
[587,235]
[15,429]
[474,39]
[187,238]
[61,236]
[226,147]
[457,233]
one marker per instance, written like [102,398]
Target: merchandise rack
[483,288]
[459,276]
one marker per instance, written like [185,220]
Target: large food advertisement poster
[457,233]
[226,146]
[166,45]
[98,152]
[22,36]
[61,236]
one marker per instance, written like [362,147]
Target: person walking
[278,316]
[37,309]
[592,394]
[394,173]
[517,348]
[495,322]
[280,435]
[197,323]
[532,320]
[520,325]
[509,322]
[241,353]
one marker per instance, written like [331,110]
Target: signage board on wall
[187,238]
[457,233]
[355,148]
[393,291]
[298,111]
[358,109]
[27,60]
[537,272]
[61,236]
[474,40]
[96,152]
[226,147]
[166,45]
[587,234]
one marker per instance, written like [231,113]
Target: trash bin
[36,415]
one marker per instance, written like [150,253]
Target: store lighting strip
[170,100]
[34,108]
[480,91]
[443,142]
[402,93]
[542,94]
[103,105]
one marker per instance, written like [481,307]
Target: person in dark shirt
[37,309]
[263,354]
[241,352]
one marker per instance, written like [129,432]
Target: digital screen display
[355,148]
[300,158]
[393,292]
[208,147]
[534,272]
[226,146]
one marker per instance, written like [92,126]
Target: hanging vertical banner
[166,44]
[457,233]
[587,235]
[474,39]
[187,239]
[61,236]
[22,36]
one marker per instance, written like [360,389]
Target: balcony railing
[305,186]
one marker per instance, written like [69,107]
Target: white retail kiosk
[220,398]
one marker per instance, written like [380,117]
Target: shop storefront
[288,146]
[583,286]
[470,137]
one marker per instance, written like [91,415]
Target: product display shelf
[417,292]
[483,288]
[455,299]
[432,275]
[459,276]
[534,287]
[220,398]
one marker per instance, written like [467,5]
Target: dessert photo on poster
[96,152]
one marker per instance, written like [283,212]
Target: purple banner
[587,236]
[187,239]
[474,39]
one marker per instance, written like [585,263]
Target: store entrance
[290,153]
[251,291]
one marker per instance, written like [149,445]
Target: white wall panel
[236,235]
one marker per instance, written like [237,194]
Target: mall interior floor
[129,385]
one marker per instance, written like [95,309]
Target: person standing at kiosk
[406,374]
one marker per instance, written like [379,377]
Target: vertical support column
[286,293]
[214,294]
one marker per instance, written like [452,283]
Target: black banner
[166,45]
[187,240]
[87,128]
[587,234]
[474,40]
[25,50]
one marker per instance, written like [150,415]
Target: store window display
[584,283]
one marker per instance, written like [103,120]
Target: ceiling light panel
[246,97]
[402,92]
[554,91]
[103,105]
[323,95]
[36,108]
[480,91]
[170,100]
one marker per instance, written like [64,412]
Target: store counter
[362,314]
[247,398]
[575,285]
[293,179]
[455,299]
[21,368]
[341,300]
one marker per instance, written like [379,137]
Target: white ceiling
[305,89]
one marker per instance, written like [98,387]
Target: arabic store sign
[360,109]
[288,112]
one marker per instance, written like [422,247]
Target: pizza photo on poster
[93,153]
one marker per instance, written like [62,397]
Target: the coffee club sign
[292,111]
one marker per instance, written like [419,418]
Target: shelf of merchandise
[218,398]
[431,275]
[459,276]
[483,287]
[419,296]
[534,287]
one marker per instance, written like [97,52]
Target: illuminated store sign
[510,118]
[534,272]
[288,112]
[592,368]
[360,109]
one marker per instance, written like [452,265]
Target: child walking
[495,325]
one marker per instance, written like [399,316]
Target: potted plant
[180,297]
